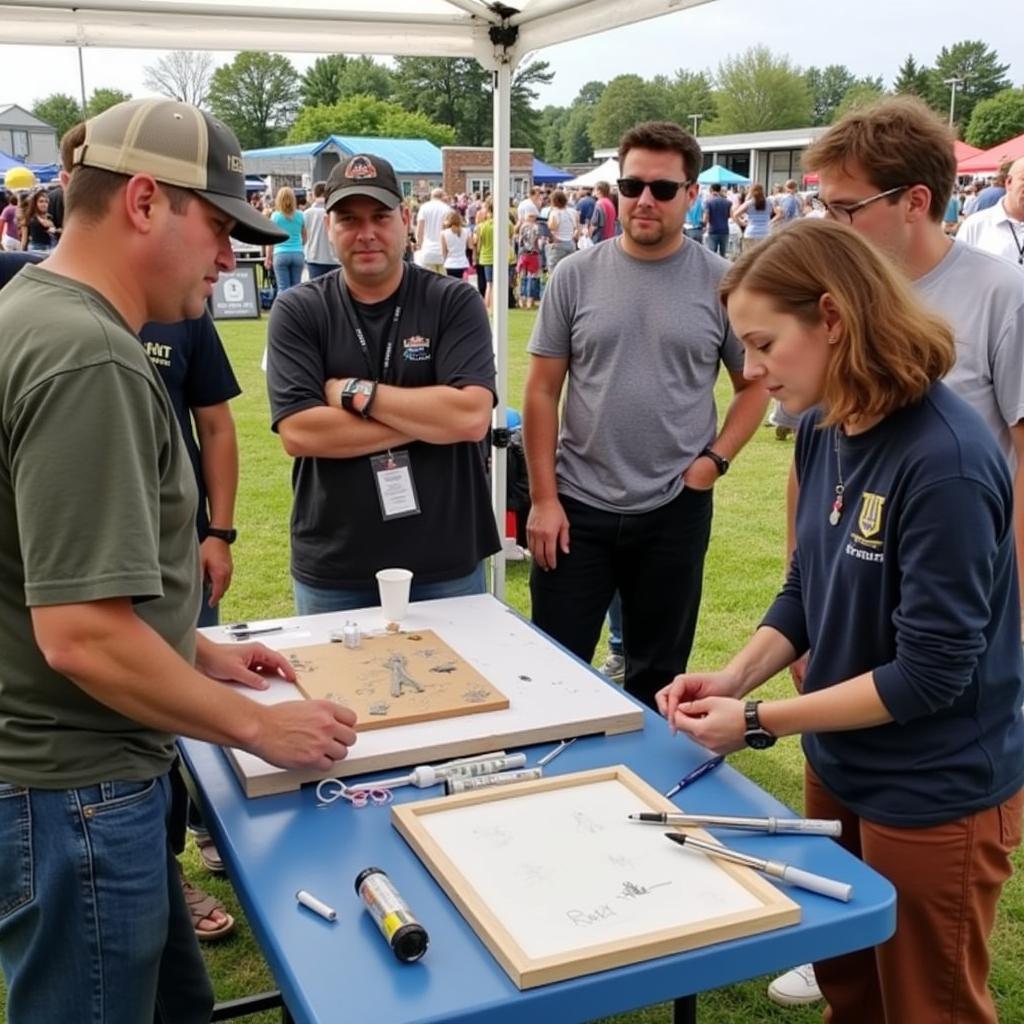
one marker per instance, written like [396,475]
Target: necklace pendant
[837,509]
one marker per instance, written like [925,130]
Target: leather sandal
[200,906]
[209,854]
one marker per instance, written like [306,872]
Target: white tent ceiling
[442,28]
[498,35]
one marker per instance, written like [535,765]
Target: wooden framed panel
[557,882]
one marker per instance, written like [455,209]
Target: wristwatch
[354,386]
[720,461]
[757,736]
[228,536]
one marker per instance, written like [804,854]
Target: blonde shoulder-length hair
[285,201]
[889,349]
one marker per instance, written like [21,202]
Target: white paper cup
[394,592]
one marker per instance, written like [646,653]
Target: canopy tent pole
[500,187]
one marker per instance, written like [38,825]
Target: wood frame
[775,909]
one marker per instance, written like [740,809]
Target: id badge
[392,473]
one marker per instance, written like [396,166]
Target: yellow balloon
[19,177]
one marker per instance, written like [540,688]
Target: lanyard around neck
[1019,242]
[357,326]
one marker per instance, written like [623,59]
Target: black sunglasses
[663,190]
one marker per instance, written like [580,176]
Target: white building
[768,157]
[25,137]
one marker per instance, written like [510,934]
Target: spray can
[406,936]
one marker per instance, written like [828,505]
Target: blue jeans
[615,625]
[317,600]
[288,268]
[718,243]
[93,924]
[319,269]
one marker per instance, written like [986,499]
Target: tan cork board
[395,679]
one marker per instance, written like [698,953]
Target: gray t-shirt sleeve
[1007,360]
[95,435]
[552,330]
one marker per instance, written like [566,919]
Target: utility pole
[696,119]
[953,83]
[81,81]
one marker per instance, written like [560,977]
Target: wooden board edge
[777,910]
[287,780]
[486,925]
[624,952]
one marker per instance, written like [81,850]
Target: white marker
[317,906]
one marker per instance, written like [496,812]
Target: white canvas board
[565,870]
[551,695]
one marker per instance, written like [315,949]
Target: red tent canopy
[964,152]
[988,162]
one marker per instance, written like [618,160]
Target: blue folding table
[345,971]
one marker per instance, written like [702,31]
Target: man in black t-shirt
[381,381]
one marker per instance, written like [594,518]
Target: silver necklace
[837,502]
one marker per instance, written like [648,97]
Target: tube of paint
[466,784]
[406,936]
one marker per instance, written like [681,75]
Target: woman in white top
[453,245]
[564,226]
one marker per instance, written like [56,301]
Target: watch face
[759,740]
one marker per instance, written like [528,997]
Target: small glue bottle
[350,635]
[407,937]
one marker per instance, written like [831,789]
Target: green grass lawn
[744,569]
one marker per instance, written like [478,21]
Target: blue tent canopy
[716,174]
[545,174]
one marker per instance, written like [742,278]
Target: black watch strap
[720,461]
[228,536]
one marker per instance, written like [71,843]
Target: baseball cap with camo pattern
[177,144]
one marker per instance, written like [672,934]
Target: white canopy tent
[497,35]
[608,171]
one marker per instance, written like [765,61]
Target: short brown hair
[90,189]
[890,349]
[664,137]
[897,141]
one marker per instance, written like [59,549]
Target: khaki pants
[948,878]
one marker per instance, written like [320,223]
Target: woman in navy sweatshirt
[903,588]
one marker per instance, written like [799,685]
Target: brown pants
[947,879]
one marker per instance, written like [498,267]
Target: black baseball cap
[181,145]
[363,175]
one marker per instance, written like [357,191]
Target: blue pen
[698,772]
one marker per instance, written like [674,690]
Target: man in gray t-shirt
[621,487]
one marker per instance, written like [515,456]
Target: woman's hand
[685,689]
[717,723]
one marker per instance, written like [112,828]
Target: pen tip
[676,837]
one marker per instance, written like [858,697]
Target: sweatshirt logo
[870,518]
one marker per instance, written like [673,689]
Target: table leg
[684,1010]
[231,1009]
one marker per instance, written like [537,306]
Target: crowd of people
[897,350]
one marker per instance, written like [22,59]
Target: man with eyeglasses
[888,171]
[621,487]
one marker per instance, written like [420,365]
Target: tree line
[266,101]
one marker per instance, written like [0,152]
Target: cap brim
[382,195]
[250,225]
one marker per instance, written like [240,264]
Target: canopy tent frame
[498,36]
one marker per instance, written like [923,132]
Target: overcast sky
[871,37]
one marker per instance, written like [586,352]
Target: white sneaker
[614,668]
[797,987]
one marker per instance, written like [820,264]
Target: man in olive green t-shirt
[99,582]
